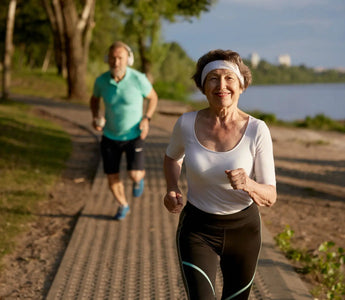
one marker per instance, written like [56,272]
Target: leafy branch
[326,265]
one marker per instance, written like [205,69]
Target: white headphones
[130,60]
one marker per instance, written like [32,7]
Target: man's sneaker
[138,188]
[121,212]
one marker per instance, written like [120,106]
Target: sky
[312,32]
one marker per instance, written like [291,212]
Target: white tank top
[208,186]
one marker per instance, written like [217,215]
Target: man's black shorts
[112,150]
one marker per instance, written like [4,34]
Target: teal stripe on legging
[241,290]
[202,272]
[250,283]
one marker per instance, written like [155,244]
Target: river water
[294,102]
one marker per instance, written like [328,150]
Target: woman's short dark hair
[219,54]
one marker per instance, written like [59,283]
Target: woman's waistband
[194,212]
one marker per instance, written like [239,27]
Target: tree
[31,34]
[143,23]
[108,28]
[72,23]
[54,13]
[6,79]
[173,74]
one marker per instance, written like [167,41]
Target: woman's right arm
[173,200]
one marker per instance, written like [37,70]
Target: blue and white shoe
[121,213]
[138,188]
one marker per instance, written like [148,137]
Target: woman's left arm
[262,194]
[262,190]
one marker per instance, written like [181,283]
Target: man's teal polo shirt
[123,103]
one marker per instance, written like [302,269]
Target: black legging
[203,238]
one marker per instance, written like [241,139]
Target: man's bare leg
[137,177]
[117,188]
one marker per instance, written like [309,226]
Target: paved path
[136,258]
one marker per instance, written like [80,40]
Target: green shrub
[269,118]
[171,90]
[326,265]
[322,122]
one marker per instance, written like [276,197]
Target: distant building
[284,60]
[323,69]
[320,69]
[255,59]
[340,69]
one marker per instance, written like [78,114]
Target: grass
[33,153]
[36,83]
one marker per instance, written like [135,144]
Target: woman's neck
[223,114]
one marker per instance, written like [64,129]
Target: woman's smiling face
[222,88]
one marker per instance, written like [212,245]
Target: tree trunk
[54,12]
[74,33]
[6,79]
[46,60]
[76,67]
[145,63]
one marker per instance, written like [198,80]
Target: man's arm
[94,106]
[152,98]
[151,107]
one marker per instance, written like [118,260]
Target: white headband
[221,64]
